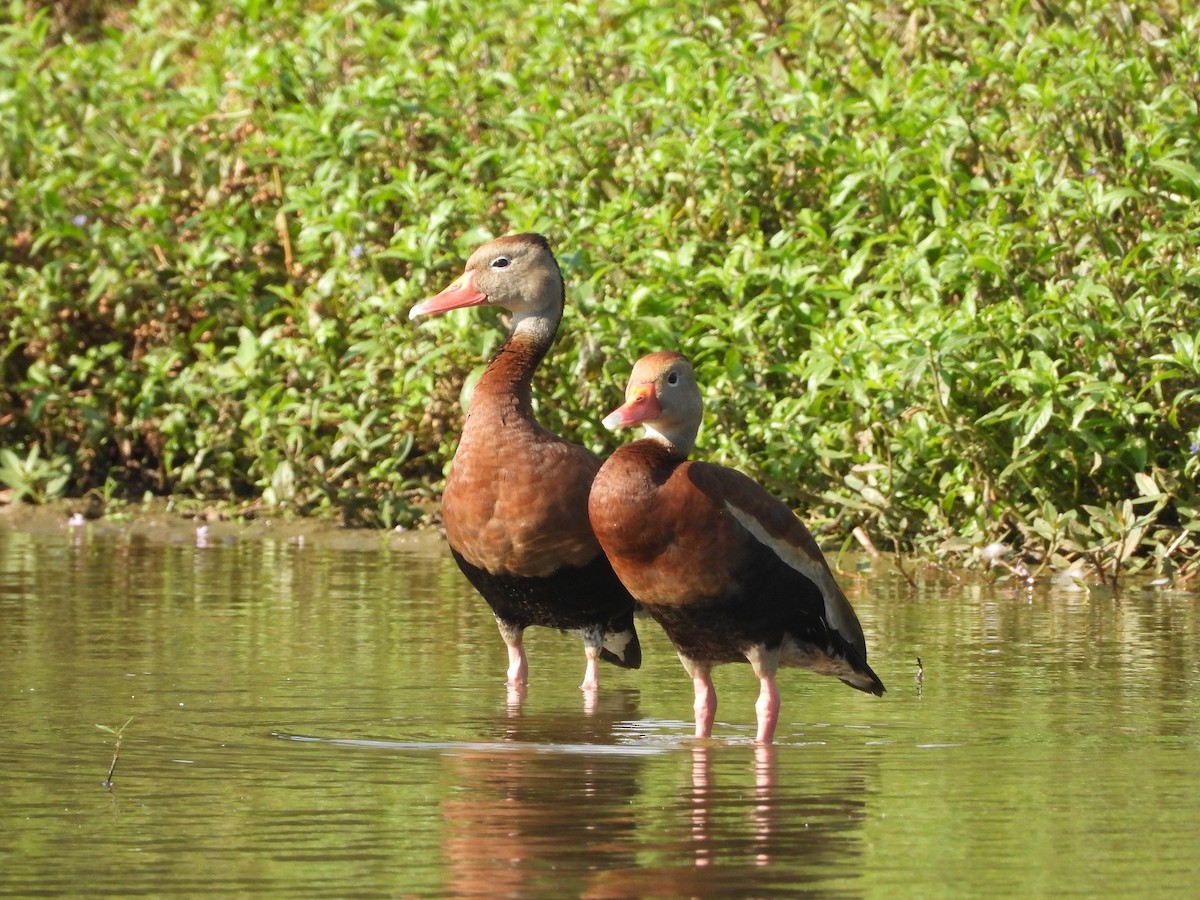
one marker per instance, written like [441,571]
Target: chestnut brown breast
[515,501]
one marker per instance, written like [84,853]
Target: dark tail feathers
[868,683]
[622,648]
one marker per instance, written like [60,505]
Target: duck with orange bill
[515,501]
[724,567]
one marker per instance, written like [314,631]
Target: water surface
[323,713]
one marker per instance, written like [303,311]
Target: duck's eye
[500,262]
[673,378]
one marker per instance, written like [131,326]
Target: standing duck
[515,501]
[727,569]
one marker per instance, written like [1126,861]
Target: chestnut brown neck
[506,384]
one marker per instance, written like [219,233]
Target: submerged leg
[518,666]
[591,674]
[593,640]
[767,708]
[706,703]
[766,664]
[705,706]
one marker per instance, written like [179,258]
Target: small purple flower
[1195,448]
[79,220]
[356,251]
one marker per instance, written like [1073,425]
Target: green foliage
[33,478]
[936,267]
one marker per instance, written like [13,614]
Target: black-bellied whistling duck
[515,502]
[727,569]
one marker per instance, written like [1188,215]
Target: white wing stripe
[835,603]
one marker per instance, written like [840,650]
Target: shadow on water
[328,716]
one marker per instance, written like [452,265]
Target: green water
[324,714]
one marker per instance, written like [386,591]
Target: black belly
[767,600]
[570,599]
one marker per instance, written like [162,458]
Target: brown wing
[764,519]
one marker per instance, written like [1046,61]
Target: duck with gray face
[727,569]
[515,501]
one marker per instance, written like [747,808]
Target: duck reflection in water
[691,819]
[742,831]
[760,811]
[553,795]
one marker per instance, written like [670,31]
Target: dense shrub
[937,267]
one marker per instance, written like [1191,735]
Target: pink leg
[593,640]
[706,701]
[591,675]
[518,666]
[706,695]
[767,709]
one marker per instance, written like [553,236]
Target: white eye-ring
[500,262]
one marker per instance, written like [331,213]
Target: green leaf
[1181,171]
[1034,426]
[1146,485]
